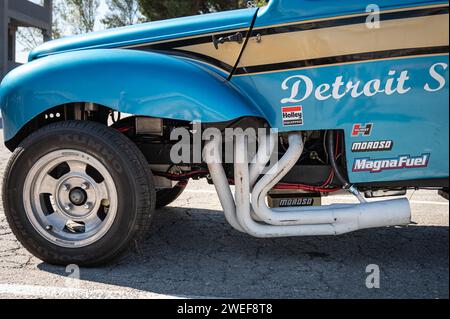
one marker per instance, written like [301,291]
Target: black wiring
[332,158]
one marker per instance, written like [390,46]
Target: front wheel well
[80,111]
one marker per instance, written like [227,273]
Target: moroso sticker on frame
[400,162]
[372,146]
[292,115]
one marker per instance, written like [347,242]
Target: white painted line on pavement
[75,293]
[428,203]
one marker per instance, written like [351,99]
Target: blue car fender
[135,82]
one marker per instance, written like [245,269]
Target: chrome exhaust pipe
[256,219]
[213,157]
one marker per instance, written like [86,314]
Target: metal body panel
[416,121]
[152,32]
[303,55]
[141,83]
[293,42]
[292,11]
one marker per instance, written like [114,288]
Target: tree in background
[122,13]
[29,38]
[80,15]
[57,27]
[165,9]
[257,3]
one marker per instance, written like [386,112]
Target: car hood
[150,32]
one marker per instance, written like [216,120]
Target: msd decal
[401,162]
[292,115]
[362,130]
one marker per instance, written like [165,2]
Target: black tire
[128,169]
[165,197]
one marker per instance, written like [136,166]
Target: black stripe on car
[415,13]
[348,58]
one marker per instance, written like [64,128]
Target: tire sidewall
[118,165]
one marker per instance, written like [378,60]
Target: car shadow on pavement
[195,253]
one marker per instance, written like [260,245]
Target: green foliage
[122,13]
[80,15]
[165,9]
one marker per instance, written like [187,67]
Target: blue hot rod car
[341,96]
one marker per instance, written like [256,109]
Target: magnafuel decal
[401,162]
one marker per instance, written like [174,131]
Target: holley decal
[292,115]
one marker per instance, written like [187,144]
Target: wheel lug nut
[68,207]
[85,186]
[105,203]
[87,206]
[49,227]
[66,187]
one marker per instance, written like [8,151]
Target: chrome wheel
[70,198]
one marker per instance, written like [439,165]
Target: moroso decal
[276,200]
[364,130]
[292,115]
[401,162]
[373,146]
[295,202]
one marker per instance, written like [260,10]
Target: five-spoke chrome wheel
[78,192]
[70,198]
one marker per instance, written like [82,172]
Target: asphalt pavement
[191,252]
